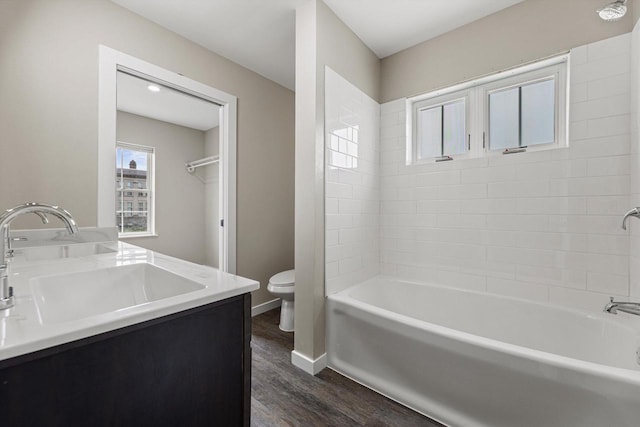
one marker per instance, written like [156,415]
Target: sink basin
[73,296]
[42,253]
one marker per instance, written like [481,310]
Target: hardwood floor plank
[283,395]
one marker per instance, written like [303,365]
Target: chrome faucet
[8,239]
[40,209]
[633,212]
[627,307]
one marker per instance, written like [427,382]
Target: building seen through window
[133,170]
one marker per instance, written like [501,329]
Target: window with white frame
[522,109]
[440,125]
[135,166]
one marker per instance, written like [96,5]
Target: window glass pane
[503,119]
[132,175]
[538,100]
[430,133]
[454,128]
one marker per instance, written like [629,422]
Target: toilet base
[286,316]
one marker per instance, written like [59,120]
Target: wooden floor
[283,395]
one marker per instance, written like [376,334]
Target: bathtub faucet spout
[633,212]
[627,307]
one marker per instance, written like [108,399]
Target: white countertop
[22,331]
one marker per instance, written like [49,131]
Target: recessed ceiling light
[153,88]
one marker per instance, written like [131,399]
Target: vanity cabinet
[192,368]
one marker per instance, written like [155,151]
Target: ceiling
[166,104]
[260,34]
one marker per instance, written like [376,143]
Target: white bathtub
[471,359]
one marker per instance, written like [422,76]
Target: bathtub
[472,359]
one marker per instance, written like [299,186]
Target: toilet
[282,285]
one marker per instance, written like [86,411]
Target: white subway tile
[465,253]
[570,279]
[608,126]
[609,86]
[579,55]
[599,69]
[331,206]
[398,207]
[467,191]
[422,274]
[579,92]
[506,238]
[437,178]
[349,265]
[609,47]
[590,301]
[425,220]
[552,241]
[518,159]
[518,222]
[618,165]
[393,131]
[605,244]
[513,288]
[601,107]
[614,145]
[331,270]
[537,188]
[339,191]
[393,106]
[608,283]
[331,237]
[491,206]
[461,220]
[596,224]
[333,222]
[551,205]
[461,280]
[590,186]
[603,263]
[608,205]
[578,130]
[439,206]
[348,206]
[634,276]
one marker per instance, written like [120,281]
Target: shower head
[613,11]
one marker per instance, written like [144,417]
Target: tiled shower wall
[543,225]
[634,257]
[352,184]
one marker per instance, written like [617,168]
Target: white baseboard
[311,367]
[265,306]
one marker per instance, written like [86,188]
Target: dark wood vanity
[191,368]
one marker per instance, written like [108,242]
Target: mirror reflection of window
[133,169]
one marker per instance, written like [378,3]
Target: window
[134,169]
[441,126]
[513,111]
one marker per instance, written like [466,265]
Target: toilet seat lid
[285,278]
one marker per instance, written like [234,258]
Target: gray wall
[180,207]
[49,120]
[521,33]
[321,40]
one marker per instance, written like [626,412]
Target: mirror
[171,142]
[161,204]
